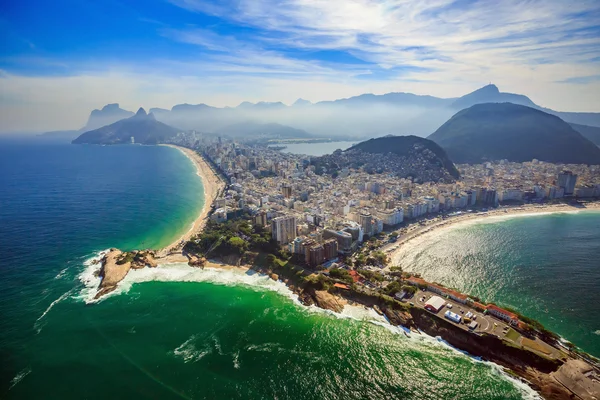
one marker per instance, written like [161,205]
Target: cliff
[535,369]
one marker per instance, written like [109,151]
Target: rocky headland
[115,266]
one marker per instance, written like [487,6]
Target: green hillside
[408,146]
[496,131]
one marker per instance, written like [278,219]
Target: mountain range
[367,115]
[482,125]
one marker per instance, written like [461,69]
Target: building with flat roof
[453,317]
[435,304]
[502,313]
[344,240]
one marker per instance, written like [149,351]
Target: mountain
[158,112]
[301,103]
[143,127]
[394,99]
[589,119]
[495,131]
[491,94]
[256,130]
[261,105]
[410,147]
[110,113]
[592,133]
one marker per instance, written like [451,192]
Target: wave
[181,272]
[19,377]
[37,324]
[61,273]
[188,351]
[89,277]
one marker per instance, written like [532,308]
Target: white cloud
[445,48]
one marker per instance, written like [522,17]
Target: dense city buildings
[309,212]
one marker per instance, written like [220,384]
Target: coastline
[490,216]
[212,185]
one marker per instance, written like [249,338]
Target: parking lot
[485,323]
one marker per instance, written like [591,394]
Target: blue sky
[62,58]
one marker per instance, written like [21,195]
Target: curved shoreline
[491,216]
[212,184]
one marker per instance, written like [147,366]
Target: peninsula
[331,238]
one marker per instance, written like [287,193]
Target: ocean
[546,266]
[176,331]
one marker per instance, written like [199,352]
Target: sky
[60,59]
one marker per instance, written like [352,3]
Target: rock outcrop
[398,317]
[195,261]
[117,264]
[113,271]
[328,301]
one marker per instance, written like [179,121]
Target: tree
[341,274]
[396,271]
[393,288]
[237,245]
[272,260]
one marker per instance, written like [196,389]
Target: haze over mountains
[363,116]
[488,118]
[107,115]
[144,128]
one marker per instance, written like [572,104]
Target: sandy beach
[416,230]
[213,185]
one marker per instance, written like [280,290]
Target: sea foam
[19,377]
[181,272]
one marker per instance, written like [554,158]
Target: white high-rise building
[284,229]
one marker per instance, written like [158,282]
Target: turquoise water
[545,266]
[177,331]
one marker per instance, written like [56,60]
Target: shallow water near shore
[546,266]
[178,332]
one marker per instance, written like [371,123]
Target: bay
[546,266]
[177,331]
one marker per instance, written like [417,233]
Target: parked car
[448,305]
